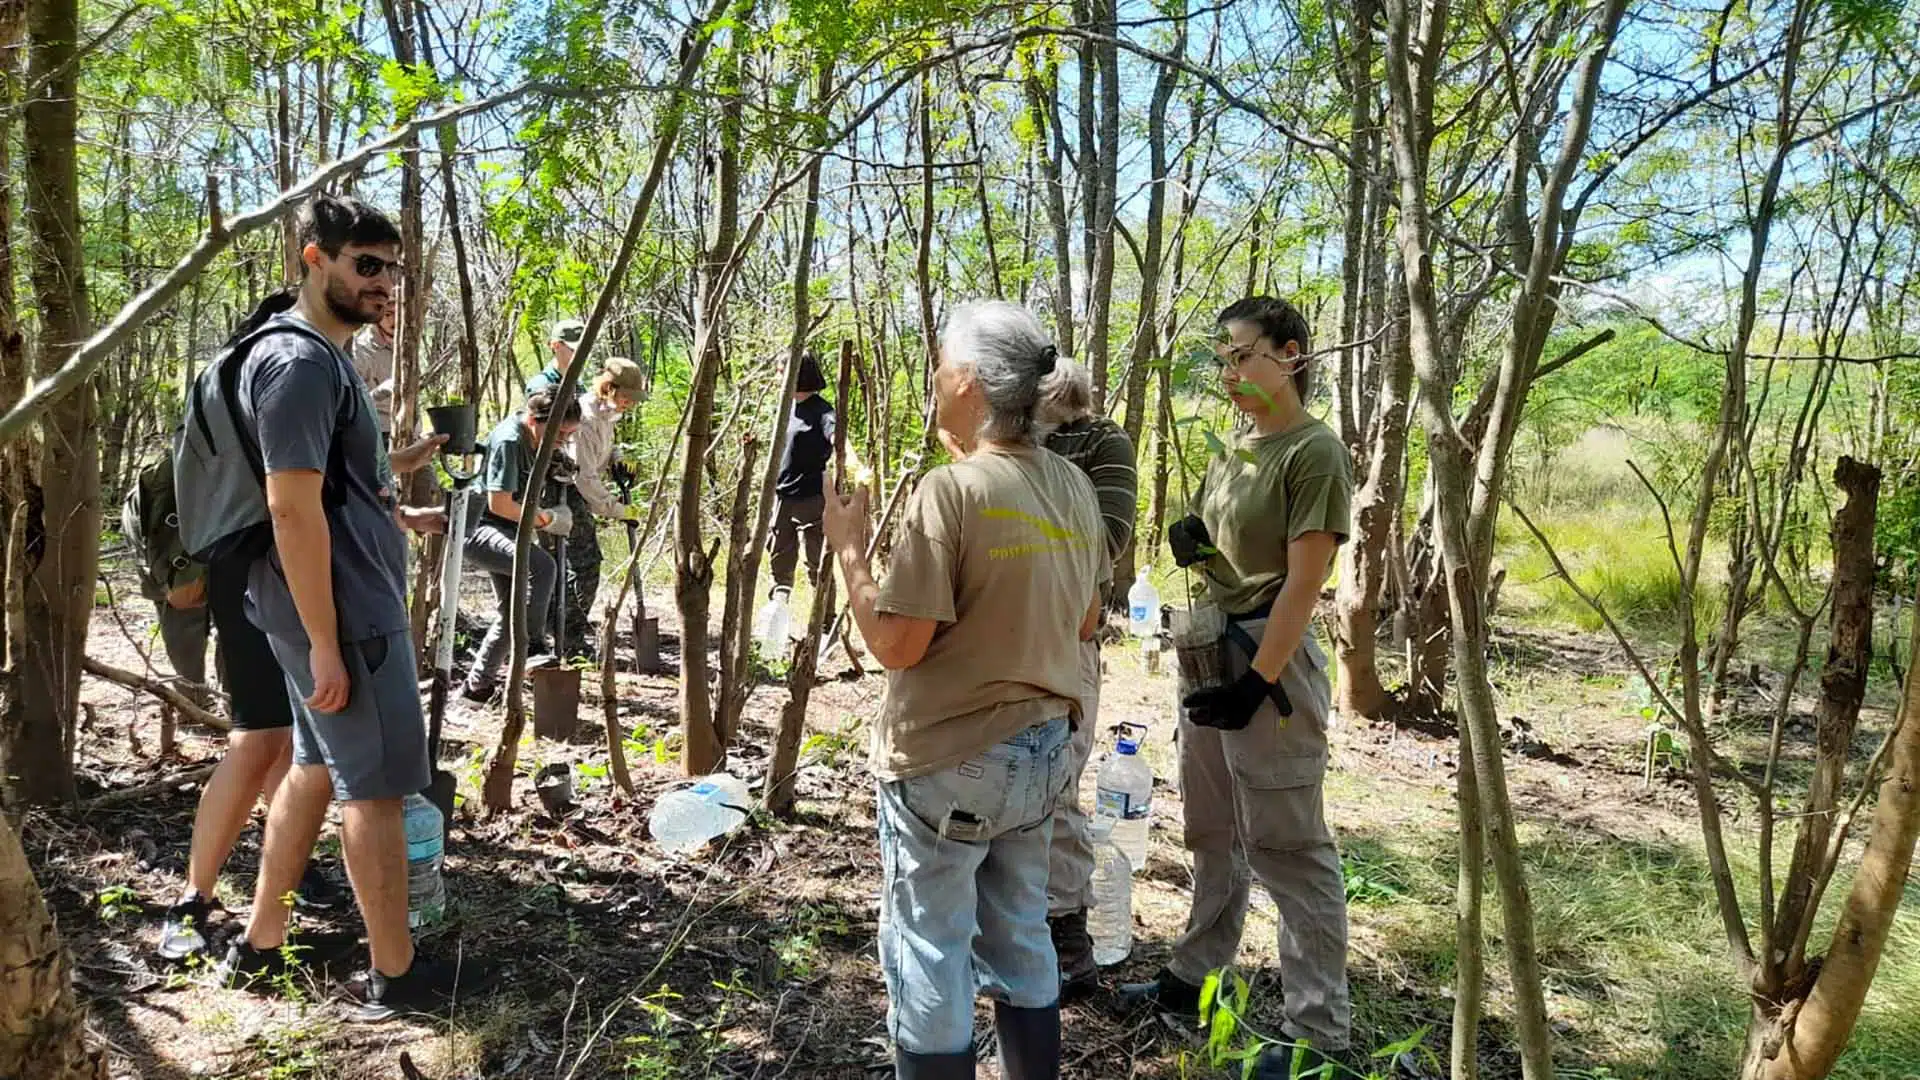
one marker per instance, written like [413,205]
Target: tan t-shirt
[1004,551]
[1262,495]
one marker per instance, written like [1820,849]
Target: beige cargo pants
[1070,860]
[1254,809]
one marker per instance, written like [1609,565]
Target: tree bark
[702,750]
[1414,45]
[1106,179]
[1815,1033]
[1146,331]
[37,753]
[42,1028]
[1042,93]
[1470,949]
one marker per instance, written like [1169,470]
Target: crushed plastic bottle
[1124,798]
[1110,919]
[426,887]
[1143,607]
[685,818]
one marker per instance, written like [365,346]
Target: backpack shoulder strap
[230,380]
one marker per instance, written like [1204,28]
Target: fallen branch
[195,775]
[165,692]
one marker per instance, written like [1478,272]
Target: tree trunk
[1411,67]
[37,753]
[800,677]
[1805,1041]
[1470,949]
[42,1028]
[1843,685]
[1106,179]
[702,751]
[1042,91]
[743,574]
[1146,332]
[497,791]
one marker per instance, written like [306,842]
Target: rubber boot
[908,1065]
[1029,1042]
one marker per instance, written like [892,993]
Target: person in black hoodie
[803,467]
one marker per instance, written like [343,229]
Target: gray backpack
[218,472]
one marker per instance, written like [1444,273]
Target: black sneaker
[1299,1061]
[478,693]
[317,891]
[184,933]
[246,967]
[427,987]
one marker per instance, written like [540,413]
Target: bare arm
[301,534]
[1309,558]
[503,504]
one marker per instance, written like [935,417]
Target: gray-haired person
[995,581]
[1099,448]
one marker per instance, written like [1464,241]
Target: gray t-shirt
[310,411]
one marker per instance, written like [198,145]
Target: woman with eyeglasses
[1253,752]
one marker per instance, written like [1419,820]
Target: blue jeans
[963,895]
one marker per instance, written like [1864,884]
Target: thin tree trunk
[1106,178]
[497,791]
[1042,93]
[702,749]
[1146,334]
[1411,67]
[37,753]
[923,251]
[1470,949]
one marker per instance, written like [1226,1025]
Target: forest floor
[756,958]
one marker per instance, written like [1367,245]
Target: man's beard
[348,307]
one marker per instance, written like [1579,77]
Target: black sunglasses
[369,266]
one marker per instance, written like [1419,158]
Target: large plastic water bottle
[1124,798]
[771,625]
[1110,920]
[426,888]
[712,806]
[1143,607]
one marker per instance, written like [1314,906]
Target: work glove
[630,513]
[1189,542]
[560,521]
[622,474]
[1231,707]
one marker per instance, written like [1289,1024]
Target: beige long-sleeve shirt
[373,360]
[593,452]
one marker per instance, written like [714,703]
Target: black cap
[810,381]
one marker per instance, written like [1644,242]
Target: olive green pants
[1254,810]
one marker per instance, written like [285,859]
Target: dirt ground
[756,959]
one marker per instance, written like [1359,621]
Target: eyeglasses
[371,266]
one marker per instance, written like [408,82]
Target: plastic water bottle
[426,888]
[1110,920]
[1124,798]
[712,806]
[1143,607]
[770,626]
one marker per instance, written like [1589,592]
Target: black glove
[622,474]
[1189,542]
[1231,708]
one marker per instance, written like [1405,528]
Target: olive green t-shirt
[1004,551]
[1264,493]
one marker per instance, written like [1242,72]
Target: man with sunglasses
[331,597]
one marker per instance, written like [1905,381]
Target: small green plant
[118,900]
[827,747]
[292,1053]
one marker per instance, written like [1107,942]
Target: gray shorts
[375,748]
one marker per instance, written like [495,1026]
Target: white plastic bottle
[1124,797]
[771,625]
[1110,919]
[426,888]
[684,819]
[1143,607]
